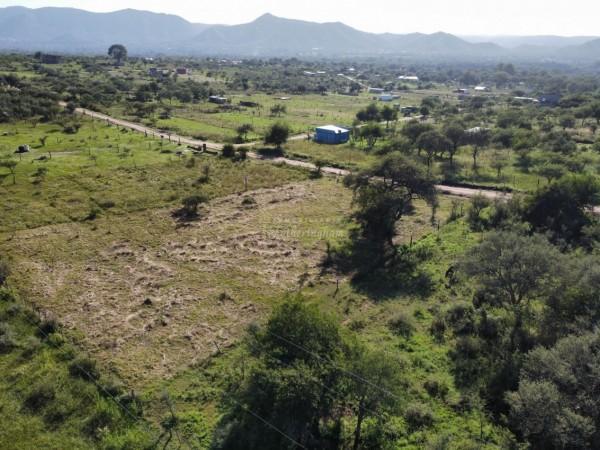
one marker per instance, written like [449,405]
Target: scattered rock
[148,302]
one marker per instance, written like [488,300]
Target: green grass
[104,170]
[43,405]
[348,156]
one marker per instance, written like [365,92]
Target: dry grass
[150,297]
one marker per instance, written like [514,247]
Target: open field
[104,170]
[149,297]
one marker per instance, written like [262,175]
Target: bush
[460,317]
[104,416]
[39,396]
[436,388]
[46,328]
[438,328]
[401,325]
[474,219]
[418,416]
[228,151]
[248,201]
[190,163]
[84,368]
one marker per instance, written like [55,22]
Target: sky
[462,17]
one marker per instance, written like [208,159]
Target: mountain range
[69,30]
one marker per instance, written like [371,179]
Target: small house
[217,99]
[481,89]
[182,71]
[386,98]
[410,78]
[373,90]
[331,134]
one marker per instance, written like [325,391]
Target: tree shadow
[376,270]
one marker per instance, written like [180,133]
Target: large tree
[293,382]
[510,271]
[563,208]
[118,52]
[433,143]
[454,132]
[385,192]
[557,405]
[478,139]
[277,135]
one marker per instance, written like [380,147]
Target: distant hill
[69,30]
[270,35]
[511,42]
[74,30]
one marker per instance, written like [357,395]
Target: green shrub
[418,416]
[40,395]
[84,368]
[46,328]
[438,328]
[436,388]
[228,151]
[401,325]
[103,417]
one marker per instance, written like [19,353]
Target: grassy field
[107,171]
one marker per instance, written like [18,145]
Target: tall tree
[478,139]
[277,135]
[385,192]
[454,132]
[118,52]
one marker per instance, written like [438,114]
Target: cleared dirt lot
[149,296]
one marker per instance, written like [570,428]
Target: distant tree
[551,170]
[370,114]
[372,132]
[277,134]
[118,52]
[389,114]
[499,162]
[595,111]
[478,139]
[189,208]
[413,129]
[567,121]
[243,131]
[454,132]
[278,110]
[43,140]
[433,143]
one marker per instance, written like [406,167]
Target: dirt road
[446,190]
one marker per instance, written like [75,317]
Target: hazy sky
[465,17]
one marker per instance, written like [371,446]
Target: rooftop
[333,128]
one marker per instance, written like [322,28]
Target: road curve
[443,189]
